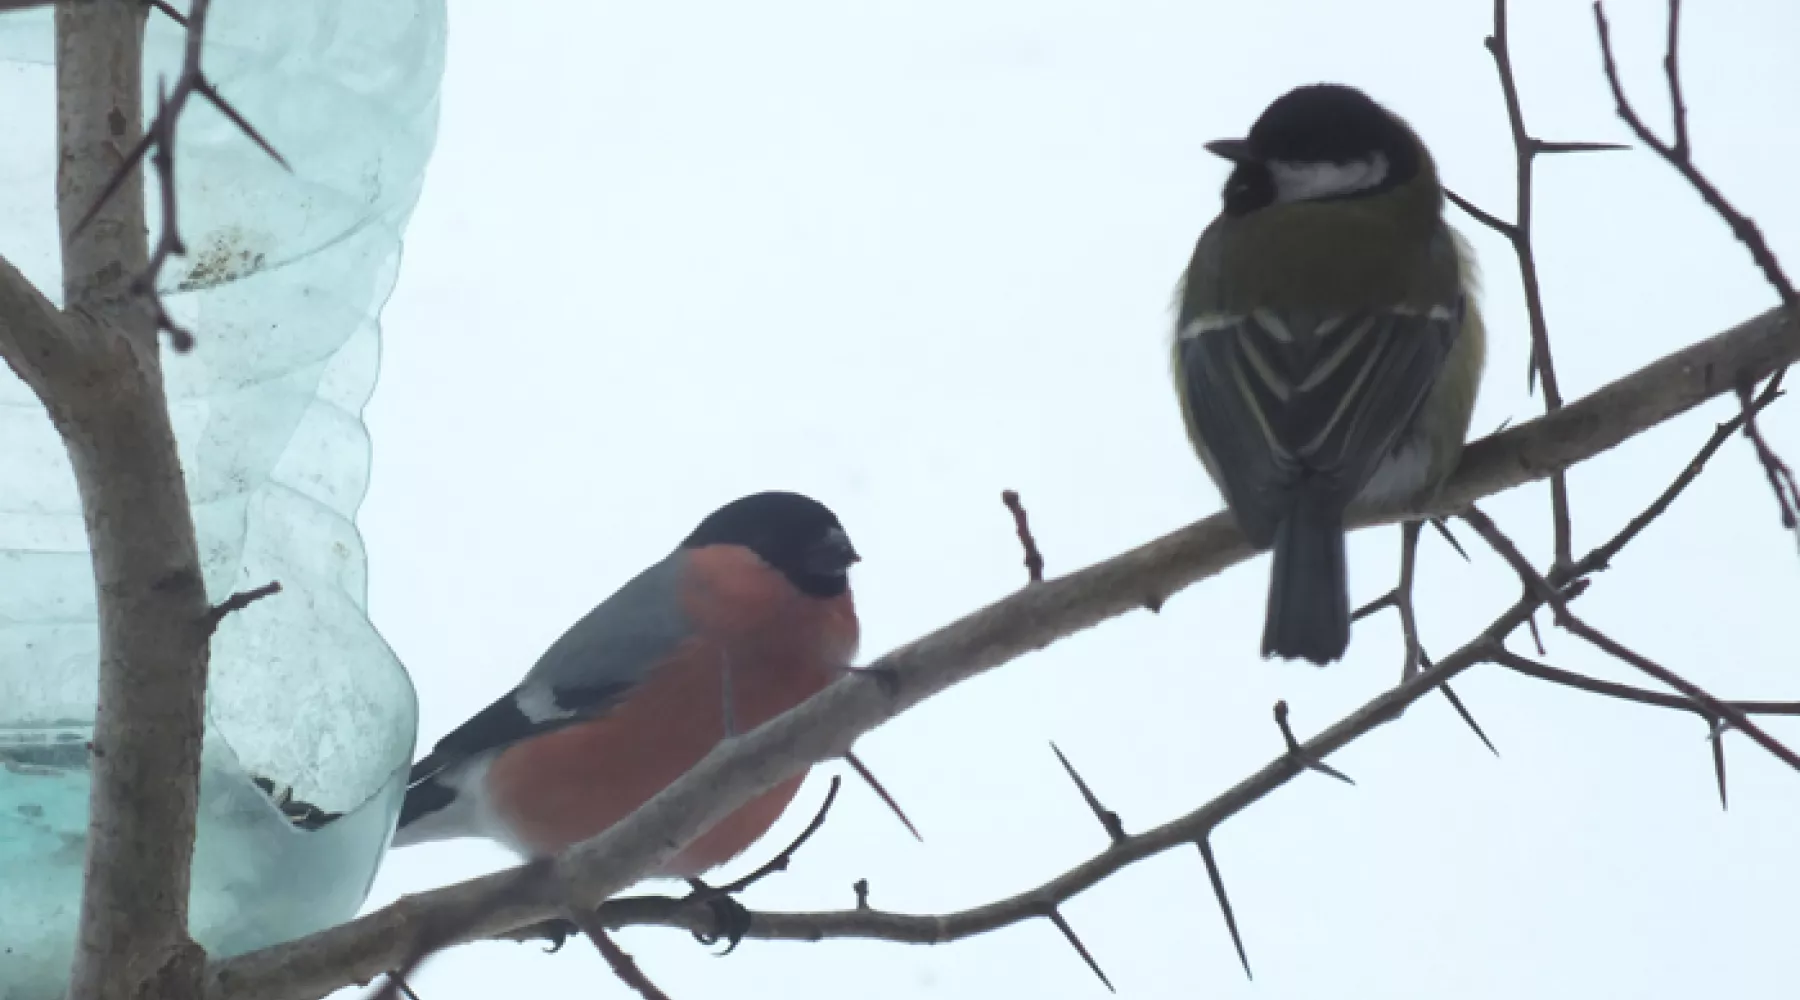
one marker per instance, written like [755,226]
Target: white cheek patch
[1309,181]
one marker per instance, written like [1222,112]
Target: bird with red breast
[748,617]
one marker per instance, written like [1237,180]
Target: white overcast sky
[902,256]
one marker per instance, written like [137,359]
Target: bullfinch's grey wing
[1285,399]
[583,674]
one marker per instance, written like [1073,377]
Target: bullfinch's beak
[1235,150]
[831,554]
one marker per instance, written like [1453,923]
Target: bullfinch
[1328,347]
[749,616]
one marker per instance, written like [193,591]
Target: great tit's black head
[1315,143]
[795,534]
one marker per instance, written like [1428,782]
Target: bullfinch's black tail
[1309,591]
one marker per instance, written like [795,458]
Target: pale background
[902,256]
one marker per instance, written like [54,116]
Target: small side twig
[1034,560]
[1298,753]
[780,862]
[1781,476]
[621,963]
[238,602]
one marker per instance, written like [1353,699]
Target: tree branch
[1034,617]
[100,378]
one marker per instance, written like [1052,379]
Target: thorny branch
[159,143]
[1196,826]
[1526,149]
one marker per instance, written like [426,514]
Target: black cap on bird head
[1317,143]
[795,534]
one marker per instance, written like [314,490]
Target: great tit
[1328,347]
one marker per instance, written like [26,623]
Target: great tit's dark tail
[1309,591]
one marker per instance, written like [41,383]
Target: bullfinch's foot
[557,932]
[731,921]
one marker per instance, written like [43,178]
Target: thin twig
[1034,560]
[239,601]
[1298,751]
[1546,592]
[1781,476]
[622,964]
[1525,151]
[780,862]
[1403,598]
[1626,692]
[1680,156]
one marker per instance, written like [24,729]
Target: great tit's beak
[1235,150]
[831,554]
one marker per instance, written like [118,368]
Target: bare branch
[1028,620]
[1625,692]
[1678,155]
[1537,585]
[1518,233]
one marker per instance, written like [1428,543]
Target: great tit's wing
[1285,397]
[591,668]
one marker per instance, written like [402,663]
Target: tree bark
[101,381]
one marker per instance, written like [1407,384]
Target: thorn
[1716,732]
[1543,146]
[205,89]
[1463,711]
[1537,638]
[863,771]
[1068,932]
[1108,819]
[1443,528]
[117,181]
[1295,751]
[1218,885]
[171,13]
[1153,604]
